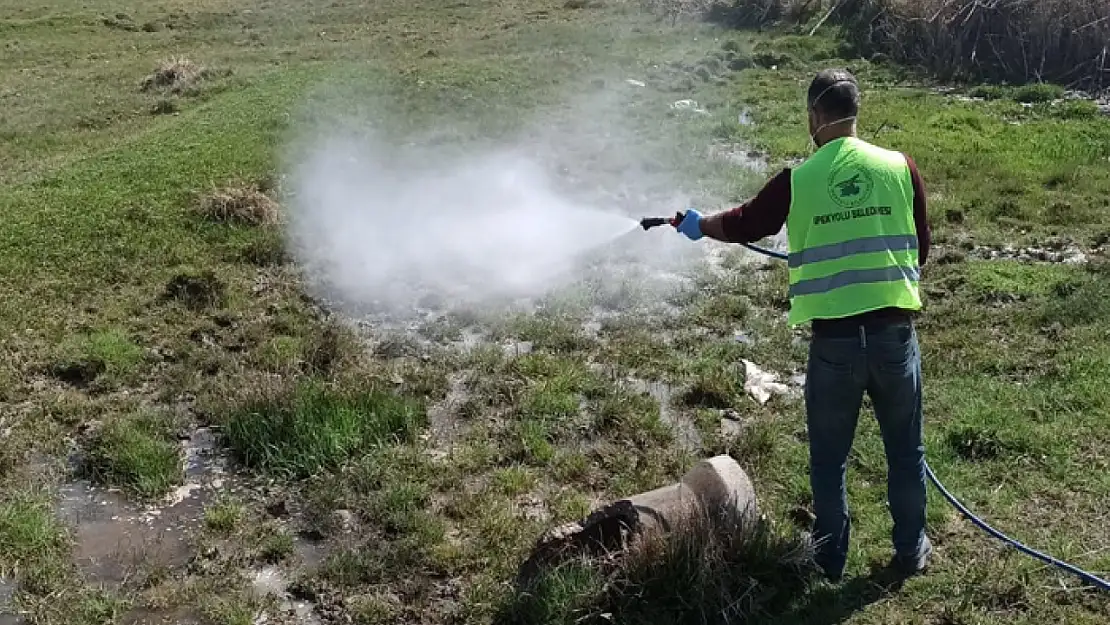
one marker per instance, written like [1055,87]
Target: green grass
[224,516]
[30,534]
[233,610]
[35,552]
[106,358]
[316,428]
[708,570]
[137,453]
[127,302]
[1031,94]
[562,595]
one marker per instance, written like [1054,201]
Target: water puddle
[117,539]
[7,610]
[1065,254]
[732,424]
[182,616]
[684,429]
[445,424]
[272,582]
[469,340]
[596,321]
[512,348]
[310,554]
[739,155]
[691,106]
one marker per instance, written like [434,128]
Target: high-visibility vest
[853,242]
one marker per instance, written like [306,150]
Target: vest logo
[850,185]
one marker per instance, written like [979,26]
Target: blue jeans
[882,358]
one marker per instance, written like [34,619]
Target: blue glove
[691,225]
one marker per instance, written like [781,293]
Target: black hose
[968,514]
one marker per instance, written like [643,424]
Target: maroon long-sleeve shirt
[765,214]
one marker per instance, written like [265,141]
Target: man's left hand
[691,225]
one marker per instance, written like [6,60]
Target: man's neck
[832,133]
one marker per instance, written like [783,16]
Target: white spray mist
[380,222]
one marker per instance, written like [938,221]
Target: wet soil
[116,540]
[7,592]
[445,423]
[182,616]
[273,582]
[686,433]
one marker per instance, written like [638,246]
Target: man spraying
[855,219]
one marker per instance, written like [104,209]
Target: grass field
[187,436]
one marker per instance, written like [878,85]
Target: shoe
[914,564]
[831,574]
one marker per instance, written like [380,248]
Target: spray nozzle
[648,223]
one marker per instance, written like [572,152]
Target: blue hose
[969,515]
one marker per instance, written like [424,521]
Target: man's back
[852,233]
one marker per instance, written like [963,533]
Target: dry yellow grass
[240,204]
[176,74]
[1061,41]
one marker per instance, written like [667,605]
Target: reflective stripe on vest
[853,276]
[853,241]
[898,242]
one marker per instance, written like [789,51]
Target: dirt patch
[78,373]
[196,290]
[240,204]
[164,107]
[978,444]
[605,530]
[120,21]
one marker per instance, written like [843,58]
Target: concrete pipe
[716,487]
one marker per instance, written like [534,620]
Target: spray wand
[647,223]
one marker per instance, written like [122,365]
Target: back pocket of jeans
[831,356]
[895,357]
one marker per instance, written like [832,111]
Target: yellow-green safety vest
[853,242]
